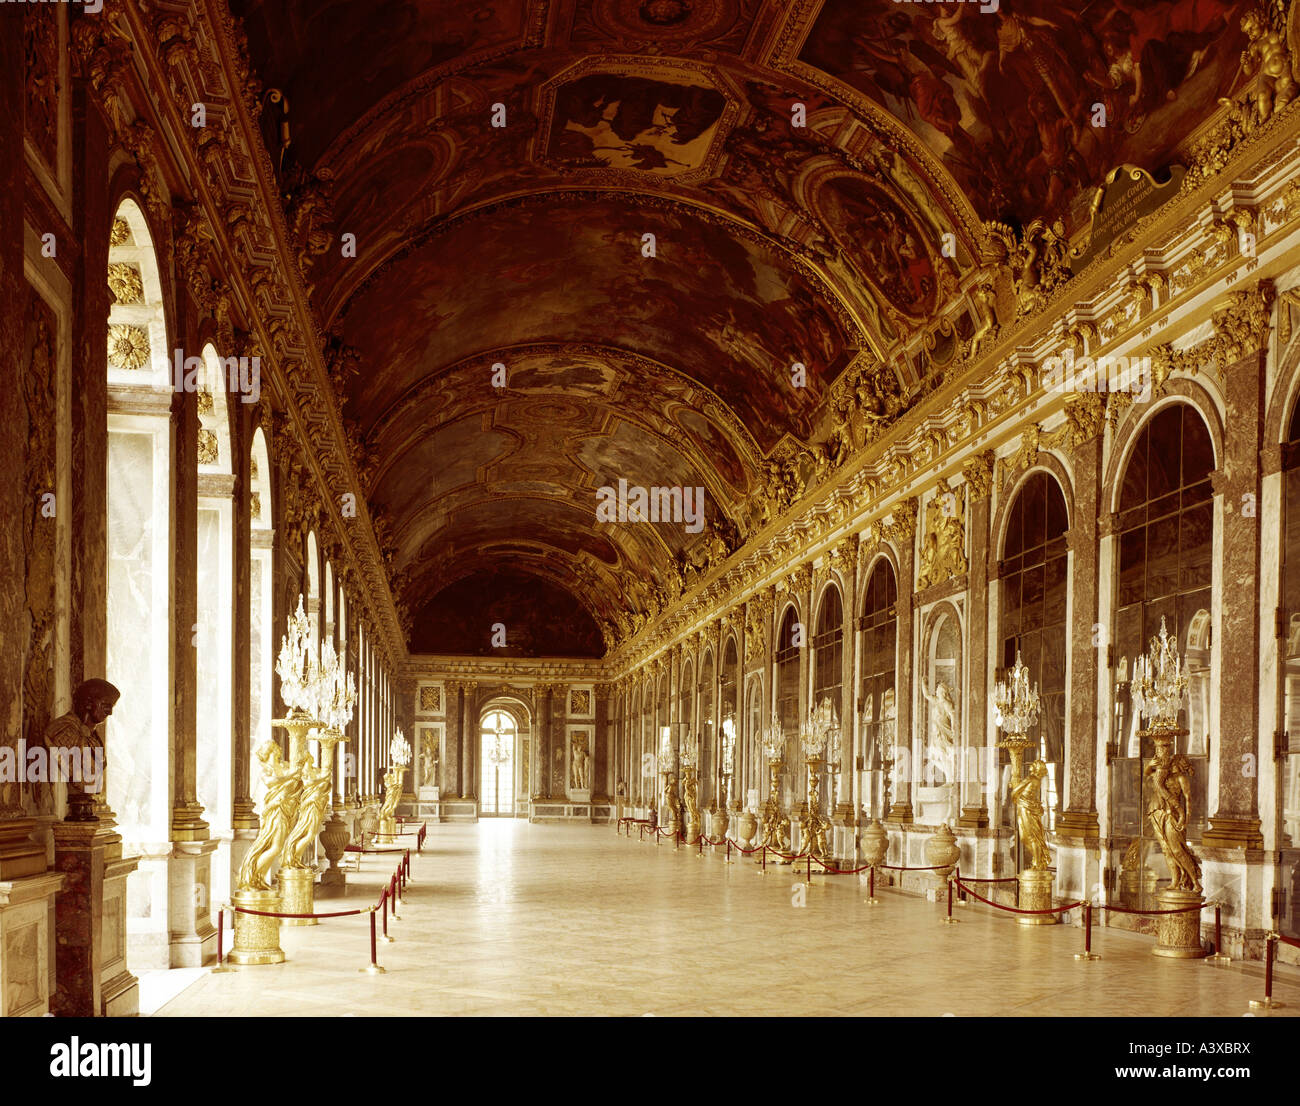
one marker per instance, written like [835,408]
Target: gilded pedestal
[297,894]
[1179,935]
[257,939]
[1036,894]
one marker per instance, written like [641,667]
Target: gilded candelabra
[257,938]
[774,830]
[823,724]
[1017,707]
[1159,686]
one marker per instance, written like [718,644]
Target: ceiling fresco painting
[1005,98]
[618,122]
[716,244]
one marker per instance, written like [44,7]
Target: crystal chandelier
[1016,704]
[338,690]
[1160,682]
[822,723]
[297,666]
[773,738]
[665,749]
[687,750]
[399,750]
[499,754]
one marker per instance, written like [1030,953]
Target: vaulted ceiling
[649,212]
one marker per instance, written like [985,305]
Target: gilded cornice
[237,215]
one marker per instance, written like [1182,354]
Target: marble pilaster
[1079,821]
[1235,821]
[975,814]
[900,807]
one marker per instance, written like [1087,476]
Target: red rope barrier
[1180,910]
[277,914]
[1016,909]
[1288,941]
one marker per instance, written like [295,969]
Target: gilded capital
[978,474]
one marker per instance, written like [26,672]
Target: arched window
[755,763]
[1166,540]
[260,598]
[497,736]
[328,603]
[731,754]
[1033,586]
[1288,773]
[879,695]
[686,699]
[139,633]
[312,574]
[828,654]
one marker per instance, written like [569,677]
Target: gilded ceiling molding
[205,60]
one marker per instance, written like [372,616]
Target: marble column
[451,758]
[1080,821]
[187,822]
[244,820]
[559,765]
[601,761]
[1235,822]
[900,807]
[470,744]
[88,441]
[975,813]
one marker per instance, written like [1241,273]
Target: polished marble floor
[506,918]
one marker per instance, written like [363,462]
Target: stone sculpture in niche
[581,762]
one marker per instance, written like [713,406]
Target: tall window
[496,793]
[879,653]
[828,653]
[260,592]
[1033,588]
[1288,776]
[731,753]
[138,485]
[1166,538]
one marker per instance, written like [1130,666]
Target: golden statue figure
[1027,795]
[672,802]
[1266,53]
[311,810]
[392,796]
[690,800]
[283,786]
[1169,808]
